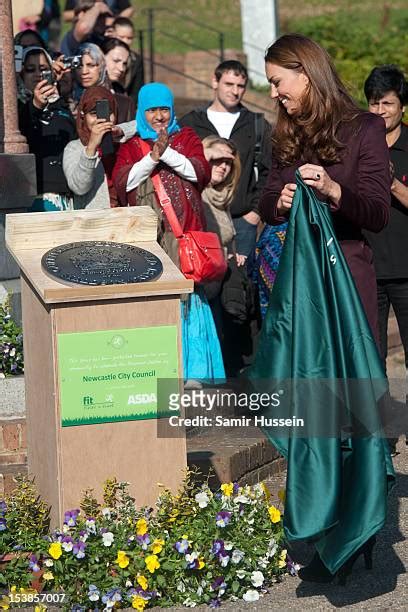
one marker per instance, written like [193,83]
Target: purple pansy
[182,546]
[70,517]
[33,564]
[217,547]
[223,518]
[3,524]
[79,549]
[144,540]
[215,603]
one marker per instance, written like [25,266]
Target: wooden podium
[66,457]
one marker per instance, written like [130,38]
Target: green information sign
[108,376]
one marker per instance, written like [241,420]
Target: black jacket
[48,131]
[243,135]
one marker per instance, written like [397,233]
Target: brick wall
[13,452]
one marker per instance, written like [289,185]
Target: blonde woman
[225,164]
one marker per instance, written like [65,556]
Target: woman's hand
[317,177]
[160,145]
[218,151]
[98,131]
[58,68]
[42,91]
[241,259]
[286,198]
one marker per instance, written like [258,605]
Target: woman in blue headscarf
[177,155]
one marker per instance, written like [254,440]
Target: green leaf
[235,586]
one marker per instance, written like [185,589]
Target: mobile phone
[102,109]
[18,58]
[46,75]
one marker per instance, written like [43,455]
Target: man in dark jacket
[227,117]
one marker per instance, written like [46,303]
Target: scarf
[154,95]
[87,103]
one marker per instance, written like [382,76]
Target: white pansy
[237,556]
[241,574]
[108,538]
[49,562]
[106,513]
[67,546]
[189,603]
[128,584]
[191,557]
[242,499]
[224,560]
[251,595]
[65,528]
[202,499]
[228,545]
[257,578]
[263,562]
[200,591]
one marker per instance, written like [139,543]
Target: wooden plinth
[67,460]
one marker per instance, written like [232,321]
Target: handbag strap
[162,194]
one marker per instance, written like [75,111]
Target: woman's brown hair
[312,133]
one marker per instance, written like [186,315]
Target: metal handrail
[183,17]
[188,43]
[191,78]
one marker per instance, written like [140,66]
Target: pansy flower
[70,517]
[93,593]
[33,564]
[79,549]
[182,546]
[223,518]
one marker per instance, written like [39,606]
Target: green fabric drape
[316,336]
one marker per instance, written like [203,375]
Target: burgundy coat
[365,180]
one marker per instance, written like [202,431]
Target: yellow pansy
[141,527]
[152,563]
[227,488]
[282,495]
[4,603]
[48,576]
[157,546]
[201,563]
[282,559]
[40,608]
[266,491]
[122,559]
[138,603]
[274,514]
[55,550]
[142,581]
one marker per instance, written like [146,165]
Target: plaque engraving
[101,263]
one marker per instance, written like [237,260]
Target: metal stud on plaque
[101,263]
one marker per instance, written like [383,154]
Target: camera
[47,75]
[18,58]
[72,61]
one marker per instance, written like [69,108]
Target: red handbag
[201,255]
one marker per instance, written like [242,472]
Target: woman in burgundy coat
[339,150]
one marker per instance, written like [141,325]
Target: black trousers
[393,292]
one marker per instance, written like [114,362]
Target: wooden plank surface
[43,420]
[27,231]
[30,235]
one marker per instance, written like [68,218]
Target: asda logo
[142,398]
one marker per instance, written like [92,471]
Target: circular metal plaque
[101,263]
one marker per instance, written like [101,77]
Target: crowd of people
[104,139]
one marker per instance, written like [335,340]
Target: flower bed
[195,547]
[11,343]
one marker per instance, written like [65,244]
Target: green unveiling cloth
[317,345]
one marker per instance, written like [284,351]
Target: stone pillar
[17,167]
[11,141]
[259,22]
